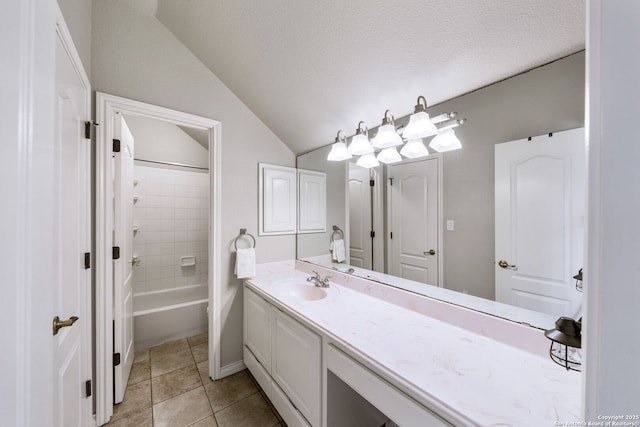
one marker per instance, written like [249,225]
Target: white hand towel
[338,253]
[245,263]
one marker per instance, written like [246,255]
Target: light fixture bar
[443,117]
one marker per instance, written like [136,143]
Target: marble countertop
[461,375]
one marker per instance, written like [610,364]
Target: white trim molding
[107,106]
[612,272]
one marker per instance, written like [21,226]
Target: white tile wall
[172,218]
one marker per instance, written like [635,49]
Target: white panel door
[360,218]
[72,299]
[122,267]
[413,221]
[539,221]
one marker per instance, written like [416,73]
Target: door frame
[387,238]
[106,108]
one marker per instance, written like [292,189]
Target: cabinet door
[257,334]
[312,201]
[277,200]
[296,364]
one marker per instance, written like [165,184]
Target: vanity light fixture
[360,142]
[566,341]
[414,148]
[446,140]
[339,149]
[388,138]
[389,155]
[387,135]
[578,277]
[420,126]
[368,161]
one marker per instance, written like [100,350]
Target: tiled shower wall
[171,213]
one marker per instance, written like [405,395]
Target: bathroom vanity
[365,352]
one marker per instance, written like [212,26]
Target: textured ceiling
[309,68]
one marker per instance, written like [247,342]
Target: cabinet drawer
[257,327]
[391,401]
[287,411]
[258,372]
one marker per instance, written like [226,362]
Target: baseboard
[232,368]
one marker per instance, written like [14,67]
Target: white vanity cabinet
[284,357]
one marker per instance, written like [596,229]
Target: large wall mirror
[542,101]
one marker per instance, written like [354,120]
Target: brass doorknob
[59,324]
[429,252]
[504,264]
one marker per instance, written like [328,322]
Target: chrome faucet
[316,280]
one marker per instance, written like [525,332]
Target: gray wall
[165,142]
[77,16]
[546,99]
[135,56]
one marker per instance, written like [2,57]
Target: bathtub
[168,315]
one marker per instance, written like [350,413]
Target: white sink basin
[300,290]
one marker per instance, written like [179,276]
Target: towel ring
[337,229]
[243,232]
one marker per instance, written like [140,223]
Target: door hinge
[371,183]
[372,234]
[87,260]
[115,252]
[391,234]
[87,388]
[116,145]
[87,128]
[116,359]
[390,181]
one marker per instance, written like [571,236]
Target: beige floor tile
[207,422]
[198,339]
[140,371]
[250,412]
[141,418]
[273,408]
[168,348]
[200,352]
[136,399]
[141,356]
[203,368]
[174,383]
[229,390]
[182,410]
[167,362]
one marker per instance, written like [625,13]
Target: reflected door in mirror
[413,221]
[539,190]
[360,218]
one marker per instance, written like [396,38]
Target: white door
[539,221]
[360,218]
[122,267]
[72,294]
[412,193]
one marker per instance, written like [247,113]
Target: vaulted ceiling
[310,68]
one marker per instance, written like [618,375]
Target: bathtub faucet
[322,283]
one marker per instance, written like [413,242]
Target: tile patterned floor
[169,386]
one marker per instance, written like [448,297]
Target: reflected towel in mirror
[245,263]
[337,250]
